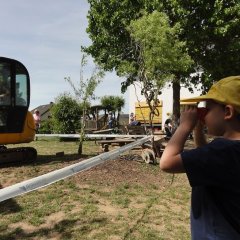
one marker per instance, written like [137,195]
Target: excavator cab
[16,122]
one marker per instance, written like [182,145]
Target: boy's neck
[232,130]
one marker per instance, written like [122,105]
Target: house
[44,111]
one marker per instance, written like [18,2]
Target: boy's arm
[171,160]
[198,135]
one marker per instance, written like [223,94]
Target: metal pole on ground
[54,176]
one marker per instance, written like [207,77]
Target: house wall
[166,97]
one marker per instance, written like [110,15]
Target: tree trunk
[80,148]
[176,103]
[82,132]
[118,117]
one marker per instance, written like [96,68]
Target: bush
[46,127]
[66,114]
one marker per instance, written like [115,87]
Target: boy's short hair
[225,91]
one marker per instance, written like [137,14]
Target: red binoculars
[202,112]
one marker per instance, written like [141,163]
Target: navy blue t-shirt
[214,175]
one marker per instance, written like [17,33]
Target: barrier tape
[54,176]
[90,136]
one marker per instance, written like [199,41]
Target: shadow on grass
[65,229]
[45,159]
[9,206]
[42,159]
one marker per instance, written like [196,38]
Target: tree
[84,93]
[162,55]
[111,42]
[210,29]
[114,104]
[119,103]
[112,45]
[65,114]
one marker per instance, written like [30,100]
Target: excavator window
[5,84]
[21,90]
[14,95]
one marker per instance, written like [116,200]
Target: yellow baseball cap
[226,91]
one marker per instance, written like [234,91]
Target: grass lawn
[121,199]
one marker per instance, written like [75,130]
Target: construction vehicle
[16,122]
[142,112]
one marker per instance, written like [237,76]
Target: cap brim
[196,99]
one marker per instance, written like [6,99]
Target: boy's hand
[189,117]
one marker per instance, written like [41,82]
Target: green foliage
[119,103]
[211,30]
[66,113]
[84,93]
[107,102]
[113,103]
[46,127]
[206,30]
[84,89]
[111,47]
[162,53]
[217,45]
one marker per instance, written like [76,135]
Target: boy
[213,169]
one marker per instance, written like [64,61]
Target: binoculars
[202,112]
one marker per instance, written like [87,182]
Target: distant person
[132,118]
[20,101]
[168,128]
[135,123]
[37,120]
[4,92]
[110,120]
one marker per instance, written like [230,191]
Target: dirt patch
[129,168]
[121,170]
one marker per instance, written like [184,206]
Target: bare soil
[121,170]
[129,168]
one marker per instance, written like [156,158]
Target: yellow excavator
[16,122]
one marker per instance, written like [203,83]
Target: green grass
[78,209]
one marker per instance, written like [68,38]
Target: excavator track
[17,155]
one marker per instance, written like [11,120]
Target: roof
[44,110]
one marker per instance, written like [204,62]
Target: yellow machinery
[142,112]
[16,122]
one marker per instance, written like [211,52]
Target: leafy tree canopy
[210,29]
[111,42]
[163,54]
[113,103]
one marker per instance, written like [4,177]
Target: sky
[46,36]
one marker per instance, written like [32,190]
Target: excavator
[16,122]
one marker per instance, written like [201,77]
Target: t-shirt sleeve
[210,165]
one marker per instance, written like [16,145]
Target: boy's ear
[229,112]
